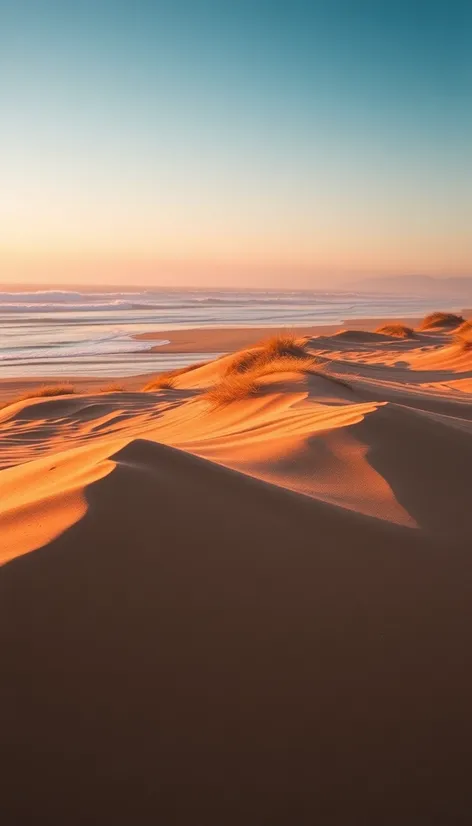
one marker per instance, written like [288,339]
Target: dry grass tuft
[435,320]
[162,382]
[46,391]
[295,364]
[243,362]
[113,388]
[233,388]
[285,364]
[284,345]
[50,390]
[239,385]
[396,330]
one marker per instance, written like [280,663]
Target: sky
[234,142]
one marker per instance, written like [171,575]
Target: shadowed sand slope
[185,643]
[259,650]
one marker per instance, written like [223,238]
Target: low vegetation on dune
[113,388]
[396,330]
[166,381]
[285,345]
[163,382]
[245,374]
[43,392]
[242,362]
[233,388]
[438,319]
[287,364]
[246,370]
[50,390]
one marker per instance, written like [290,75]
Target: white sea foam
[58,332]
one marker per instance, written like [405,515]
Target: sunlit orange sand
[244,596]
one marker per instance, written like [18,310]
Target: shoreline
[208,341]
[218,339]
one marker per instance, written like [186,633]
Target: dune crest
[298,413]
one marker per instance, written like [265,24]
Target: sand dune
[256,612]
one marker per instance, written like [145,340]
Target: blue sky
[234,142]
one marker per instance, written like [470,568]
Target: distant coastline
[63,332]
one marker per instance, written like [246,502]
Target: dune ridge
[256,611]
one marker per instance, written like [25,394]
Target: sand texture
[243,598]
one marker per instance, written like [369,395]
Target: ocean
[62,333]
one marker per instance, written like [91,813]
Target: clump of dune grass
[285,364]
[112,388]
[396,330]
[294,364]
[52,390]
[162,382]
[233,388]
[285,345]
[243,362]
[439,319]
[239,385]
[46,391]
